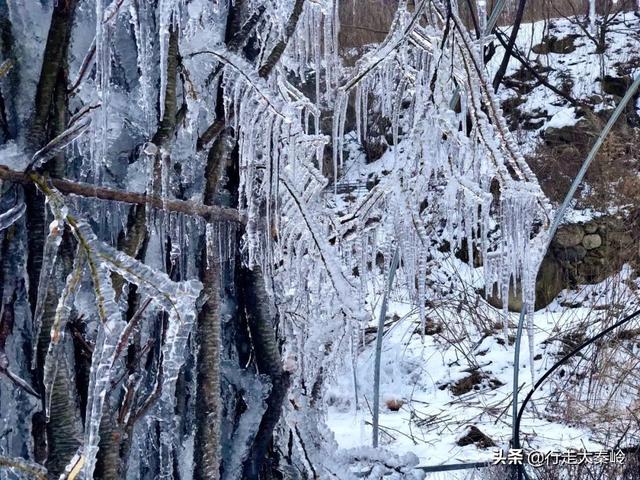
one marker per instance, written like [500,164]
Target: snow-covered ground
[426,376]
[580,70]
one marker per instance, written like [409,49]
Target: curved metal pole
[554,227]
[376,368]
[560,362]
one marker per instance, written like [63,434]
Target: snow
[432,418]
[563,118]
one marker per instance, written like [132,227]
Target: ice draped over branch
[457,174]
[465,165]
[178,299]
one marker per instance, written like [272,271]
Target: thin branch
[508,49]
[278,50]
[133,323]
[211,133]
[84,68]
[516,54]
[209,213]
[56,145]
[242,71]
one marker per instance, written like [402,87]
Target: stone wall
[588,253]
[584,253]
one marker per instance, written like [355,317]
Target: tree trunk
[261,324]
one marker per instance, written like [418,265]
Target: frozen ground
[427,377]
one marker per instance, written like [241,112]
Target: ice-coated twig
[56,145]
[245,70]
[58,329]
[21,465]
[12,215]
[209,213]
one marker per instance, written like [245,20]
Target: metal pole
[376,369]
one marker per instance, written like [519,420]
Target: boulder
[569,235]
[591,241]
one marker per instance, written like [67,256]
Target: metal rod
[376,370]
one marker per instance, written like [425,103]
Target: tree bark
[47,121]
[261,324]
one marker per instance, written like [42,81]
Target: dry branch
[209,213]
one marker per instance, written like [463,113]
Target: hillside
[448,393]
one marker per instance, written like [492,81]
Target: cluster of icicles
[474,180]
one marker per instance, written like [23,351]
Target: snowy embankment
[459,375]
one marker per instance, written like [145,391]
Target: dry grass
[613,179]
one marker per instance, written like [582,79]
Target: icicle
[422,274]
[49,256]
[58,329]
[103,81]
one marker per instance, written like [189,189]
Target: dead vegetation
[613,178]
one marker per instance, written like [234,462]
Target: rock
[569,134]
[533,124]
[590,227]
[466,384]
[549,282]
[563,45]
[595,99]
[572,254]
[569,236]
[556,45]
[591,241]
[515,299]
[475,437]
[616,85]
[541,48]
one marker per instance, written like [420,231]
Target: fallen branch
[209,213]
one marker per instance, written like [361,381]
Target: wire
[559,363]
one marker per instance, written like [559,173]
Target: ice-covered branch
[209,213]
[20,465]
